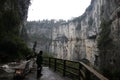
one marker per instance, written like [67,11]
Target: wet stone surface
[47,75]
[5,76]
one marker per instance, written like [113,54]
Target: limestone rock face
[94,36]
[41,32]
[79,38]
[109,54]
[80,34]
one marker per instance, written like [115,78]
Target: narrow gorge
[94,36]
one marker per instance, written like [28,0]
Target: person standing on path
[39,62]
[34,49]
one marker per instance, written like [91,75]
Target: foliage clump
[12,48]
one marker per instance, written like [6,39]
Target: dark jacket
[39,60]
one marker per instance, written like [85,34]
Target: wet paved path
[47,75]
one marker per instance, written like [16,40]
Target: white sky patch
[56,9]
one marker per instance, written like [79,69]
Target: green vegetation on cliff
[104,39]
[12,46]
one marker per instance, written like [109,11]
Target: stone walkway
[47,75]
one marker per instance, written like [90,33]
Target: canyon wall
[13,15]
[41,32]
[76,39]
[94,36]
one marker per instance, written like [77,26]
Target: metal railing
[74,70]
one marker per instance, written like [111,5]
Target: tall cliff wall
[80,34]
[41,32]
[109,38]
[94,36]
[13,14]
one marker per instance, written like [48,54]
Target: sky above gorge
[56,9]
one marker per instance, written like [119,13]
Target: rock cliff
[94,36]
[13,14]
[81,33]
[41,32]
